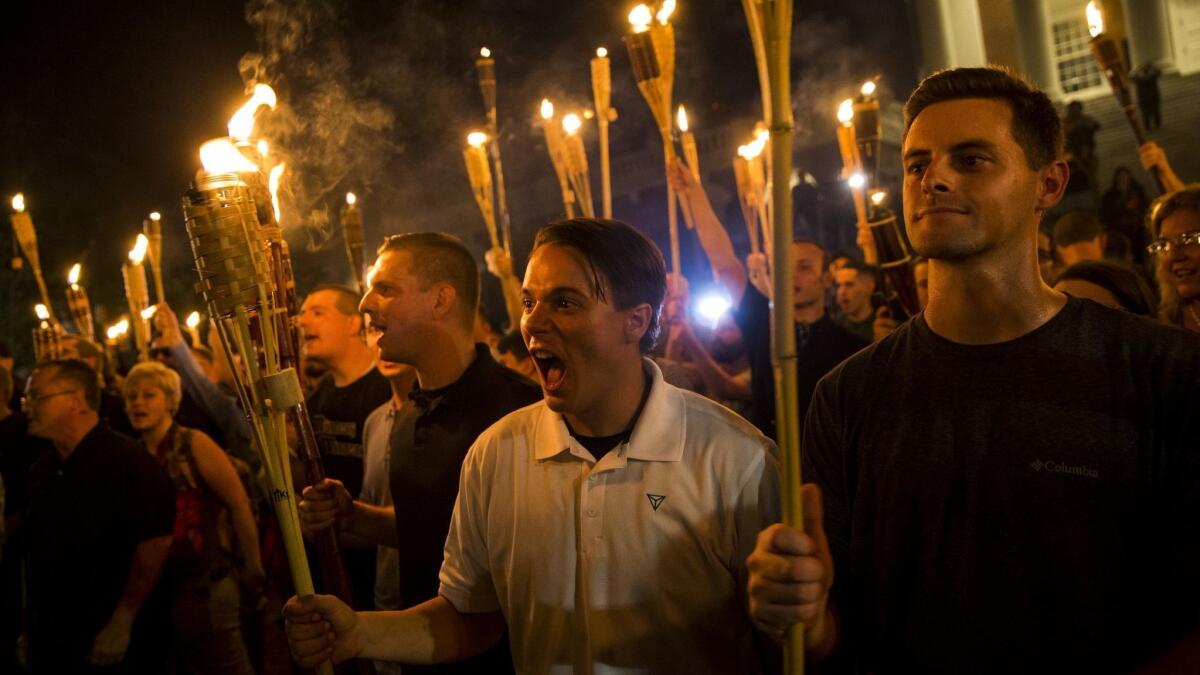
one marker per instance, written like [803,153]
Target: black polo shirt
[83,518]
[819,347]
[429,442]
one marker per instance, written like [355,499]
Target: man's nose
[935,178]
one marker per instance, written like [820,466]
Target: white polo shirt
[633,564]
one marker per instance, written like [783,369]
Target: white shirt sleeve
[758,506]
[466,579]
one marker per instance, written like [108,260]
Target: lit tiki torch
[555,148]
[137,293]
[113,336]
[485,68]
[1108,57]
[47,345]
[750,171]
[78,304]
[852,171]
[192,324]
[352,235]
[152,228]
[576,164]
[651,48]
[480,175]
[605,113]
[687,140]
[868,131]
[26,235]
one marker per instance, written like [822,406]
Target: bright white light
[868,88]
[138,253]
[41,311]
[857,180]
[571,123]
[73,275]
[155,215]
[485,52]
[664,14]
[351,198]
[845,111]
[149,312]
[681,120]
[547,109]
[878,197]
[640,18]
[193,320]
[1095,19]
[601,52]
[712,307]
[18,202]
[476,139]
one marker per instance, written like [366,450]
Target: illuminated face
[50,403]
[809,279]
[327,332]
[968,188]
[1182,265]
[853,291]
[576,339]
[146,405]
[398,308]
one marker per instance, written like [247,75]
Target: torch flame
[263,148]
[665,12]
[845,111]
[1095,19]
[117,329]
[73,275]
[878,196]
[752,149]
[18,203]
[42,312]
[857,180]
[220,156]
[193,320]
[476,139]
[241,125]
[601,52]
[273,187]
[138,253]
[682,120]
[547,109]
[351,198]
[640,18]
[485,52]
[868,88]
[149,312]
[155,215]
[571,124]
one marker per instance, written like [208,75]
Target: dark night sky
[105,105]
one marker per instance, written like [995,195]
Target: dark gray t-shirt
[1030,506]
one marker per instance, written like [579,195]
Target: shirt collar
[658,435]
[469,386]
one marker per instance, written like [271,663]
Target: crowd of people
[1007,481]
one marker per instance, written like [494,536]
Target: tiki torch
[480,176]
[651,48]
[113,336]
[137,293]
[26,235]
[352,235]
[576,164]
[868,131]
[152,228]
[47,345]
[605,113]
[78,304]
[753,192]
[485,68]
[192,323]
[852,171]
[687,140]
[1108,57]
[238,288]
[556,150]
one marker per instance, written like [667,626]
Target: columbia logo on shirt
[1061,467]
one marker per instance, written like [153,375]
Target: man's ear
[445,301]
[1052,183]
[637,322]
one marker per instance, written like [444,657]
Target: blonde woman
[1175,226]
[201,571]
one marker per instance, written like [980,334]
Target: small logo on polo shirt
[1061,467]
[655,500]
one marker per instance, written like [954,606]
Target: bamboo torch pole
[576,164]
[776,17]
[475,157]
[554,147]
[152,228]
[605,113]
[26,235]
[485,69]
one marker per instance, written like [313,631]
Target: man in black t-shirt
[423,299]
[821,342]
[334,335]
[1011,480]
[95,529]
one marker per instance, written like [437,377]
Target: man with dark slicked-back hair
[1009,481]
[606,526]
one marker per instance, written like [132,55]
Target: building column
[950,33]
[1147,32]
[1035,45]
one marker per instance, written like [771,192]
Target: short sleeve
[823,463]
[758,506]
[151,496]
[465,578]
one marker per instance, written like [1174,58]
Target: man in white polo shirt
[607,525]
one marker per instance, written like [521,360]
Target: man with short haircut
[1010,481]
[1078,236]
[96,528]
[607,524]
[821,343]
[423,300]
[855,283]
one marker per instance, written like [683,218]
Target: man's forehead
[558,267]
[949,123]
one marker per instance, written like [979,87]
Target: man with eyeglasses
[95,529]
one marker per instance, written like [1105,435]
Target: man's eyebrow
[559,290]
[970,144]
[916,152]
